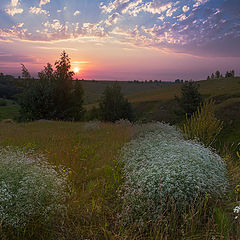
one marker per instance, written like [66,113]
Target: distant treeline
[8,87]
[218,74]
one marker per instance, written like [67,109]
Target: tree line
[218,75]
[55,95]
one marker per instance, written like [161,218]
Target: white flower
[236,210]
[29,186]
[160,165]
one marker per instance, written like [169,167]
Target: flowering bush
[160,167]
[92,125]
[29,188]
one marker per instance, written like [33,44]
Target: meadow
[90,150]
[91,154]
[94,89]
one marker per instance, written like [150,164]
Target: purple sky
[122,39]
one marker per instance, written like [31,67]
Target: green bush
[30,188]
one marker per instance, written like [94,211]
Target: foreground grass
[90,151]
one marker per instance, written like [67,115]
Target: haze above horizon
[122,39]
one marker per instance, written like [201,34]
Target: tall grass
[203,125]
[91,152]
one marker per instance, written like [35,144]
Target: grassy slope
[10,111]
[216,87]
[94,89]
[159,104]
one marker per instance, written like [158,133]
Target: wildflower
[160,165]
[29,187]
[236,210]
[237,189]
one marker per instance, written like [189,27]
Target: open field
[94,89]
[160,104]
[228,87]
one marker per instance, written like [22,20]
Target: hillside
[229,87]
[8,109]
[159,104]
[94,89]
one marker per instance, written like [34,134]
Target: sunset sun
[76,70]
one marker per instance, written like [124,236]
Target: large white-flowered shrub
[160,167]
[29,188]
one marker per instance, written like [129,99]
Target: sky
[122,39]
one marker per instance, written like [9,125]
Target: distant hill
[159,104]
[94,89]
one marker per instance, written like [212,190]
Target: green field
[228,87]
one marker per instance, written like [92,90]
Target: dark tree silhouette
[217,74]
[113,106]
[190,98]
[53,95]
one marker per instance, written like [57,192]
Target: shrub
[190,97]
[113,105]
[161,168]
[203,125]
[30,188]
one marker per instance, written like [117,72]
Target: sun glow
[76,70]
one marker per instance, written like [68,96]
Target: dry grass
[203,125]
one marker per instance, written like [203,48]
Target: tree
[53,96]
[217,74]
[190,97]
[76,111]
[212,76]
[63,79]
[227,74]
[230,74]
[208,78]
[113,106]
[25,72]
[37,102]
